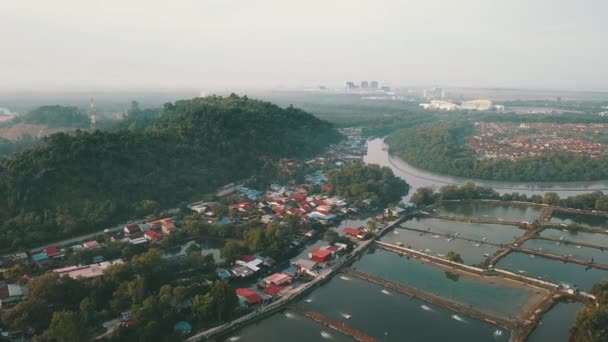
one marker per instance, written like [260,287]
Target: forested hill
[55,116]
[81,182]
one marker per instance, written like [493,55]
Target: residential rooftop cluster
[509,141]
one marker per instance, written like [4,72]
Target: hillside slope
[82,182]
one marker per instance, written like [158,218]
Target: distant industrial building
[373,84]
[467,105]
[477,105]
[364,85]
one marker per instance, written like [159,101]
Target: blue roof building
[183,327]
[40,257]
[223,274]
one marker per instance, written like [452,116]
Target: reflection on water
[555,325]
[400,317]
[553,270]
[493,298]
[495,233]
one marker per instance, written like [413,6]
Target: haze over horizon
[117,45]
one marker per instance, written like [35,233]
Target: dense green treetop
[55,116]
[591,322]
[360,182]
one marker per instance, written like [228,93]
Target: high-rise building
[373,84]
[364,85]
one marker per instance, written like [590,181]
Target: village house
[11,294]
[131,229]
[304,266]
[91,245]
[248,297]
[359,234]
[278,279]
[168,227]
[152,235]
[88,271]
[319,255]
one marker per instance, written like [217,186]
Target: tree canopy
[360,182]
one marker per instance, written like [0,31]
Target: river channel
[416,178]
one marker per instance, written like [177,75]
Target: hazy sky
[211,44]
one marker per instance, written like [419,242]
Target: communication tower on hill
[93,116]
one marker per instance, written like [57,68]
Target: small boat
[486,255]
[344,278]
[234,338]
[308,300]
[425,308]
[477,244]
[497,333]
[458,318]
[288,314]
[396,232]
[484,238]
[325,334]
[561,238]
[427,251]
[386,292]
[499,219]
[345,315]
[436,236]
[521,272]
[578,246]
[441,255]
[450,239]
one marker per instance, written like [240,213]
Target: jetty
[340,326]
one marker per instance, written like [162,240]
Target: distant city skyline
[217,45]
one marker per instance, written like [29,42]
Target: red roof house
[152,235]
[130,229]
[354,232]
[325,187]
[51,251]
[91,244]
[248,295]
[299,197]
[277,279]
[319,255]
[272,290]
[247,258]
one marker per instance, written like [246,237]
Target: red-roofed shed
[152,235]
[247,258]
[319,255]
[354,232]
[272,290]
[51,251]
[249,295]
